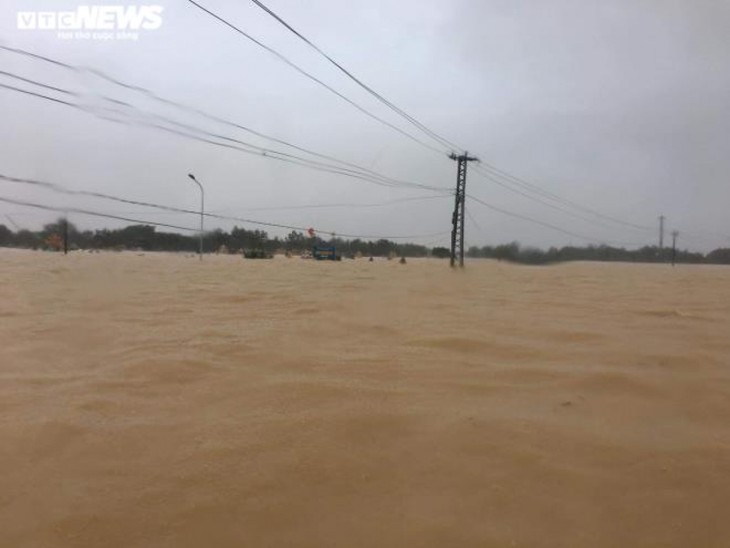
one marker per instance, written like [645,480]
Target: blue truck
[325,253]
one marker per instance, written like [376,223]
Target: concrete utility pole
[202,212]
[675,233]
[457,231]
[661,231]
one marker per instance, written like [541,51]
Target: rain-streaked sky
[619,106]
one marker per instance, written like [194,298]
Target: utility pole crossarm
[457,220]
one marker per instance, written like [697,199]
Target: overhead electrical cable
[61,189]
[319,206]
[493,173]
[544,224]
[530,187]
[180,106]
[91,213]
[441,140]
[314,78]
[207,136]
[539,200]
[341,205]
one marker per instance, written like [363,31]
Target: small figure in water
[402,260]
[371,260]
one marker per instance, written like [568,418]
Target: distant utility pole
[675,233]
[457,220]
[202,213]
[661,231]
[65,235]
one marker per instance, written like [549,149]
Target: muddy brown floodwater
[154,401]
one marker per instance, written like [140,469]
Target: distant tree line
[513,252]
[147,238]
[238,240]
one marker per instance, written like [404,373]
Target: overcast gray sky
[622,106]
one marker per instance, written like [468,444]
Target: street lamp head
[191,176]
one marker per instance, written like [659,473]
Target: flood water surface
[149,400]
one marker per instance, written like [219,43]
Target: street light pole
[202,212]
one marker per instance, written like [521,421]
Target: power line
[347,205]
[321,206]
[39,95]
[29,81]
[12,222]
[435,136]
[154,96]
[249,147]
[444,142]
[535,197]
[543,223]
[705,239]
[473,220]
[313,78]
[92,213]
[60,189]
[530,187]
[493,173]
[441,140]
[49,185]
